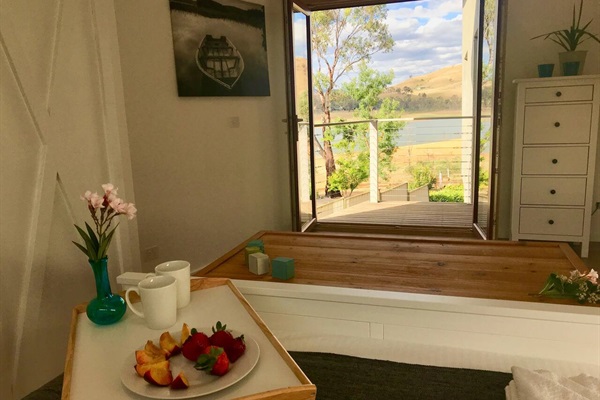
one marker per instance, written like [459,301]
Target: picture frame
[220,48]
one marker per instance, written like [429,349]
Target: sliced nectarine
[180,382]
[142,368]
[185,333]
[151,348]
[144,357]
[168,344]
[159,374]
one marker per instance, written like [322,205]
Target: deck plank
[405,213]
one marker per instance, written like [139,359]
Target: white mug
[179,270]
[159,301]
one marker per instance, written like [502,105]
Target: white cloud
[426,9]
[427,36]
[299,29]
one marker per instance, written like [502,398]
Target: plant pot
[107,308]
[568,60]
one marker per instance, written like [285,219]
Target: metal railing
[444,143]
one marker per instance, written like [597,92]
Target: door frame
[488,232]
[291,6]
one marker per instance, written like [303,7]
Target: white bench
[429,329]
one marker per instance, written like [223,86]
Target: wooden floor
[501,270]
[593,258]
[411,213]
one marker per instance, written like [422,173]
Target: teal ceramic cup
[545,70]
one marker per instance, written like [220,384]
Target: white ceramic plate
[201,383]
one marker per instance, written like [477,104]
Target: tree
[351,173]
[489,35]
[341,39]
[365,89]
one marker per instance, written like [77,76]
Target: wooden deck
[500,270]
[409,213]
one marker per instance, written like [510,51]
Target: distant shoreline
[349,115]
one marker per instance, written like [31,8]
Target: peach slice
[151,348]
[169,345]
[144,357]
[142,368]
[185,333]
[159,374]
[180,382]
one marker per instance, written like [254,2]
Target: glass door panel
[483,217]
[301,116]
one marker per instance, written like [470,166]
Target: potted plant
[570,39]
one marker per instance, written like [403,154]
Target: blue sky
[427,36]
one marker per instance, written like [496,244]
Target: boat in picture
[220,60]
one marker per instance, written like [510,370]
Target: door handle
[297,120]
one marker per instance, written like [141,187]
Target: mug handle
[130,304]
[150,274]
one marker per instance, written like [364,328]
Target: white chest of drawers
[556,140]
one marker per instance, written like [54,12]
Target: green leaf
[92,235]
[571,38]
[105,243]
[91,250]
[580,12]
[82,249]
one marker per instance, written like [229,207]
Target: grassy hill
[445,83]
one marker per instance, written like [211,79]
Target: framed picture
[220,48]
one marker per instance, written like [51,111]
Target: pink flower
[116,204]
[123,208]
[97,241]
[94,200]
[575,274]
[86,196]
[109,189]
[592,276]
[130,210]
[110,197]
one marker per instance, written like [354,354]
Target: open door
[486,127]
[300,117]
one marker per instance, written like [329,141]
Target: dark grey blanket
[354,378]
[344,377]
[50,391]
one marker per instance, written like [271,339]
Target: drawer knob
[557,124]
[554,161]
[553,191]
[551,222]
[558,94]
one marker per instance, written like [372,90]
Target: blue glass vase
[107,308]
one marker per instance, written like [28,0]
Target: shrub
[449,194]
[422,175]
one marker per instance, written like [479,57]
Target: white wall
[201,187]
[525,20]
[62,133]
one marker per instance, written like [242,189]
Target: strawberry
[195,345]
[236,348]
[214,361]
[220,337]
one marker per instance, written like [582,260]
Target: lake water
[427,131]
